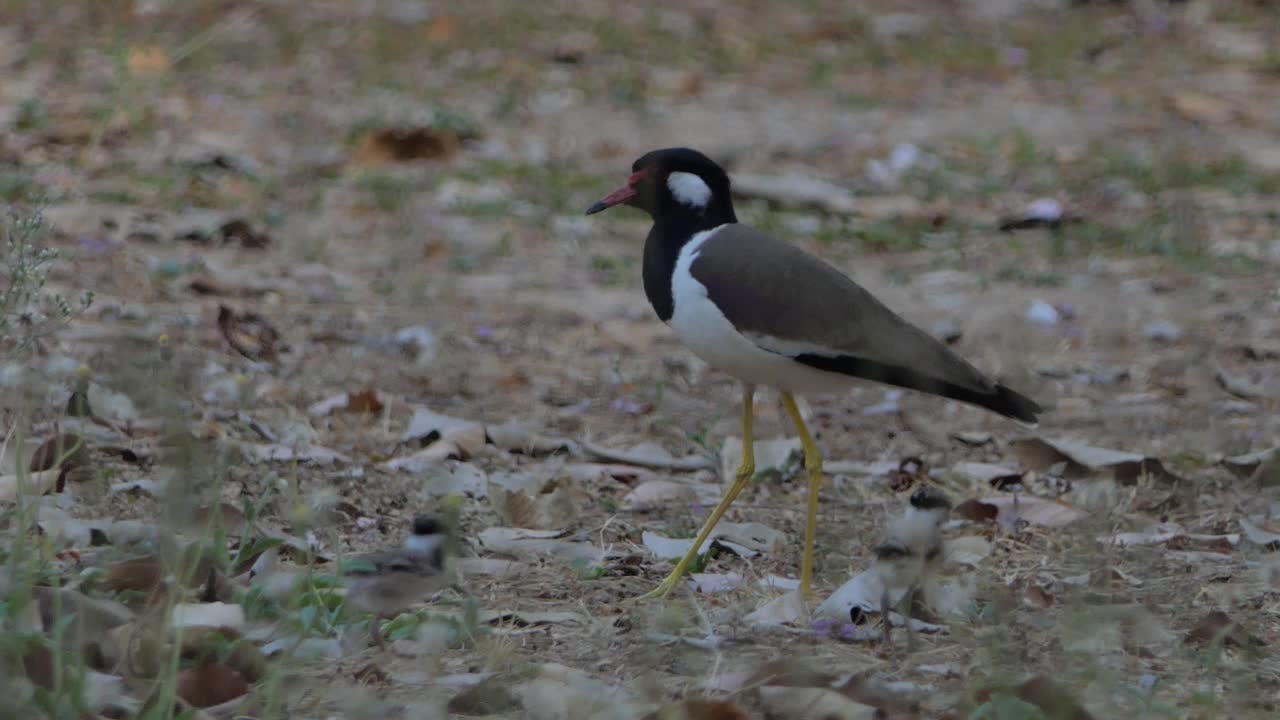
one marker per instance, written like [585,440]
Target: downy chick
[386,583]
[911,553]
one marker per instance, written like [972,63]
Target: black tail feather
[1000,399]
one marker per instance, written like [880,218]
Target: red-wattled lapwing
[386,583]
[911,554]
[769,313]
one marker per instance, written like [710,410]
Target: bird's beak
[619,196]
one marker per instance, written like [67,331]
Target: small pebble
[1162,331]
[1046,209]
[1042,313]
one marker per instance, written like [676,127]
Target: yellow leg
[746,470]
[813,465]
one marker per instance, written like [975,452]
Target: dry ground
[359,173]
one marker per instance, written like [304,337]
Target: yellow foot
[661,591]
[807,594]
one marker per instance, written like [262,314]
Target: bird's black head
[674,180]
[426,525]
[927,497]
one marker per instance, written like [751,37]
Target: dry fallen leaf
[1036,597]
[770,455]
[441,29]
[1055,701]
[202,644]
[1217,625]
[146,60]
[714,582]
[1201,107]
[525,543]
[787,609]
[802,703]
[248,333]
[699,710]
[1247,464]
[1033,510]
[526,501]
[1241,386]
[1083,460]
[361,401]
[968,550]
[212,684]
[647,455]
[65,451]
[490,696]
[976,511]
[1260,534]
[996,476]
[426,459]
[310,454]
[406,144]
[31,483]
[519,437]
[427,426]
[215,614]
[742,539]
[654,494]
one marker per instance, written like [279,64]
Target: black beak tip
[597,208]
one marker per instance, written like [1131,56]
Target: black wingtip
[1013,404]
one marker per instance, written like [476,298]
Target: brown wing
[772,289]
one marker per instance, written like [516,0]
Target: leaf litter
[419,337]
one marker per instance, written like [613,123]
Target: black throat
[674,224]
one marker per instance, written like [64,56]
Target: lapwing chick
[768,313]
[911,554]
[386,583]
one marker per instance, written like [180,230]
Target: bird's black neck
[673,227]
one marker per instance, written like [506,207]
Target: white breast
[706,331]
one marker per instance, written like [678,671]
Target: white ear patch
[689,189]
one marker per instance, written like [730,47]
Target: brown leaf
[1034,596]
[206,645]
[491,696]
[442,29]
[804,703]
[406,144]
[1201,107]
[1056,701]
[976,510]
[1216,624]
[241,231]
[229,517]
[699,710]
[1034,510]
[37,662]
[66,451]
[209,685]
[146,60]
[138,575]
[248,333]
[364,401]
[1083,460]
